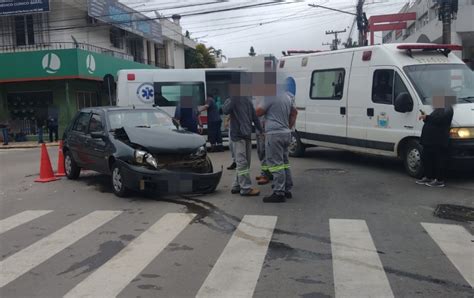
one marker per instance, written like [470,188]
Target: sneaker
[260,177]
[264,180]
[288,195]
[436,183]
[274,198]
[253,192]
[423,181]
[232,166]
[235,190]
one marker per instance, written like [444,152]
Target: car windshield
[452,79]
[139,118]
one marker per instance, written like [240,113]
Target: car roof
[115,108]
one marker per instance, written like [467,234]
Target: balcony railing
[64,45]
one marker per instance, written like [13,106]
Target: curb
[26,146]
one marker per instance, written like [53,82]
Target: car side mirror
[403,103]
[97,134]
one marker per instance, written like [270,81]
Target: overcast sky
[270,29]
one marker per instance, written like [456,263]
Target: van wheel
[296,148]
[117,182]
[412,159]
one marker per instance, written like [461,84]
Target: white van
[165,87]
[369,99]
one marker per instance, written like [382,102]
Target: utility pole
[446,13]
[362,23]
[335,41]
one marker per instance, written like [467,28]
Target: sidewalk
[26,145]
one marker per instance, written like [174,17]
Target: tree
[199,57]
[350,43]
[252,52]
[217,53]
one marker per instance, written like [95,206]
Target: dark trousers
[40,135]
[434,160]
[214,132]
[53,129]
[5,136]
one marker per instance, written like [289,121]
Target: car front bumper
[168,182]
[462,154]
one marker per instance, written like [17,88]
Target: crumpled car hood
[165,140]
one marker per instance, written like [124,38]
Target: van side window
[399,86]
[382,88]
[82,122]
[327,84]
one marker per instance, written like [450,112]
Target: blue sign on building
[122,16]
[13,7]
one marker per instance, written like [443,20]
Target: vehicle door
[77,137]
[96,147]
[386,127]
[326,106]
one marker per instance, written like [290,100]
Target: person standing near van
[242,119]
[53,128]
[214,123]
[280,116]
[435,141]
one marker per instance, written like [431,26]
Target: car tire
[296,148]
[70,166]
[118,186]
[412,159]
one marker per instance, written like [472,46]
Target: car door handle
[301,108]
[408,126]
[343,110]
[370,112]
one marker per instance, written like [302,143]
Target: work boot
[436,183]
[259,177]
[274,198]
[288,195]
[253,192]
[233,166]
[262,181]
[235,190]
[423,181]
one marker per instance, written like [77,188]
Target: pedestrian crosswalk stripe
[357,268]
[456,243]
[112,277]
[35,254]
[236,272]
[20,218]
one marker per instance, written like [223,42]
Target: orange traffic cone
[60,172]
[46,170]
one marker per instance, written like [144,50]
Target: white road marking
[236,272]
[20,218]
[35,254]
[358,271]
[112,277]
[457,244]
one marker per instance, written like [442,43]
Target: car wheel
[296,148]
[412,159]
[70,166]
[117,182]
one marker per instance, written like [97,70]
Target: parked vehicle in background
[140,148]
[368,100]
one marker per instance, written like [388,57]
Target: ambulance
[165,87]
[369,99]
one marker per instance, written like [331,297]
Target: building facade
[58,56]
[428,28]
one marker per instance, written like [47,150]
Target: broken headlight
[145,158]
[200,152]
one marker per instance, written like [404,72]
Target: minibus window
[327,84]
[168,94]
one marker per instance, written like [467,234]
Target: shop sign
[15,7]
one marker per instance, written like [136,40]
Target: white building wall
[179,56]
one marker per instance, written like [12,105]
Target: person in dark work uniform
[214,123]
[435,141]
[53,129]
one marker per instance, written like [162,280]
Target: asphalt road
[356,227]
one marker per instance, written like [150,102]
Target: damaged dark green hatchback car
[140,148]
